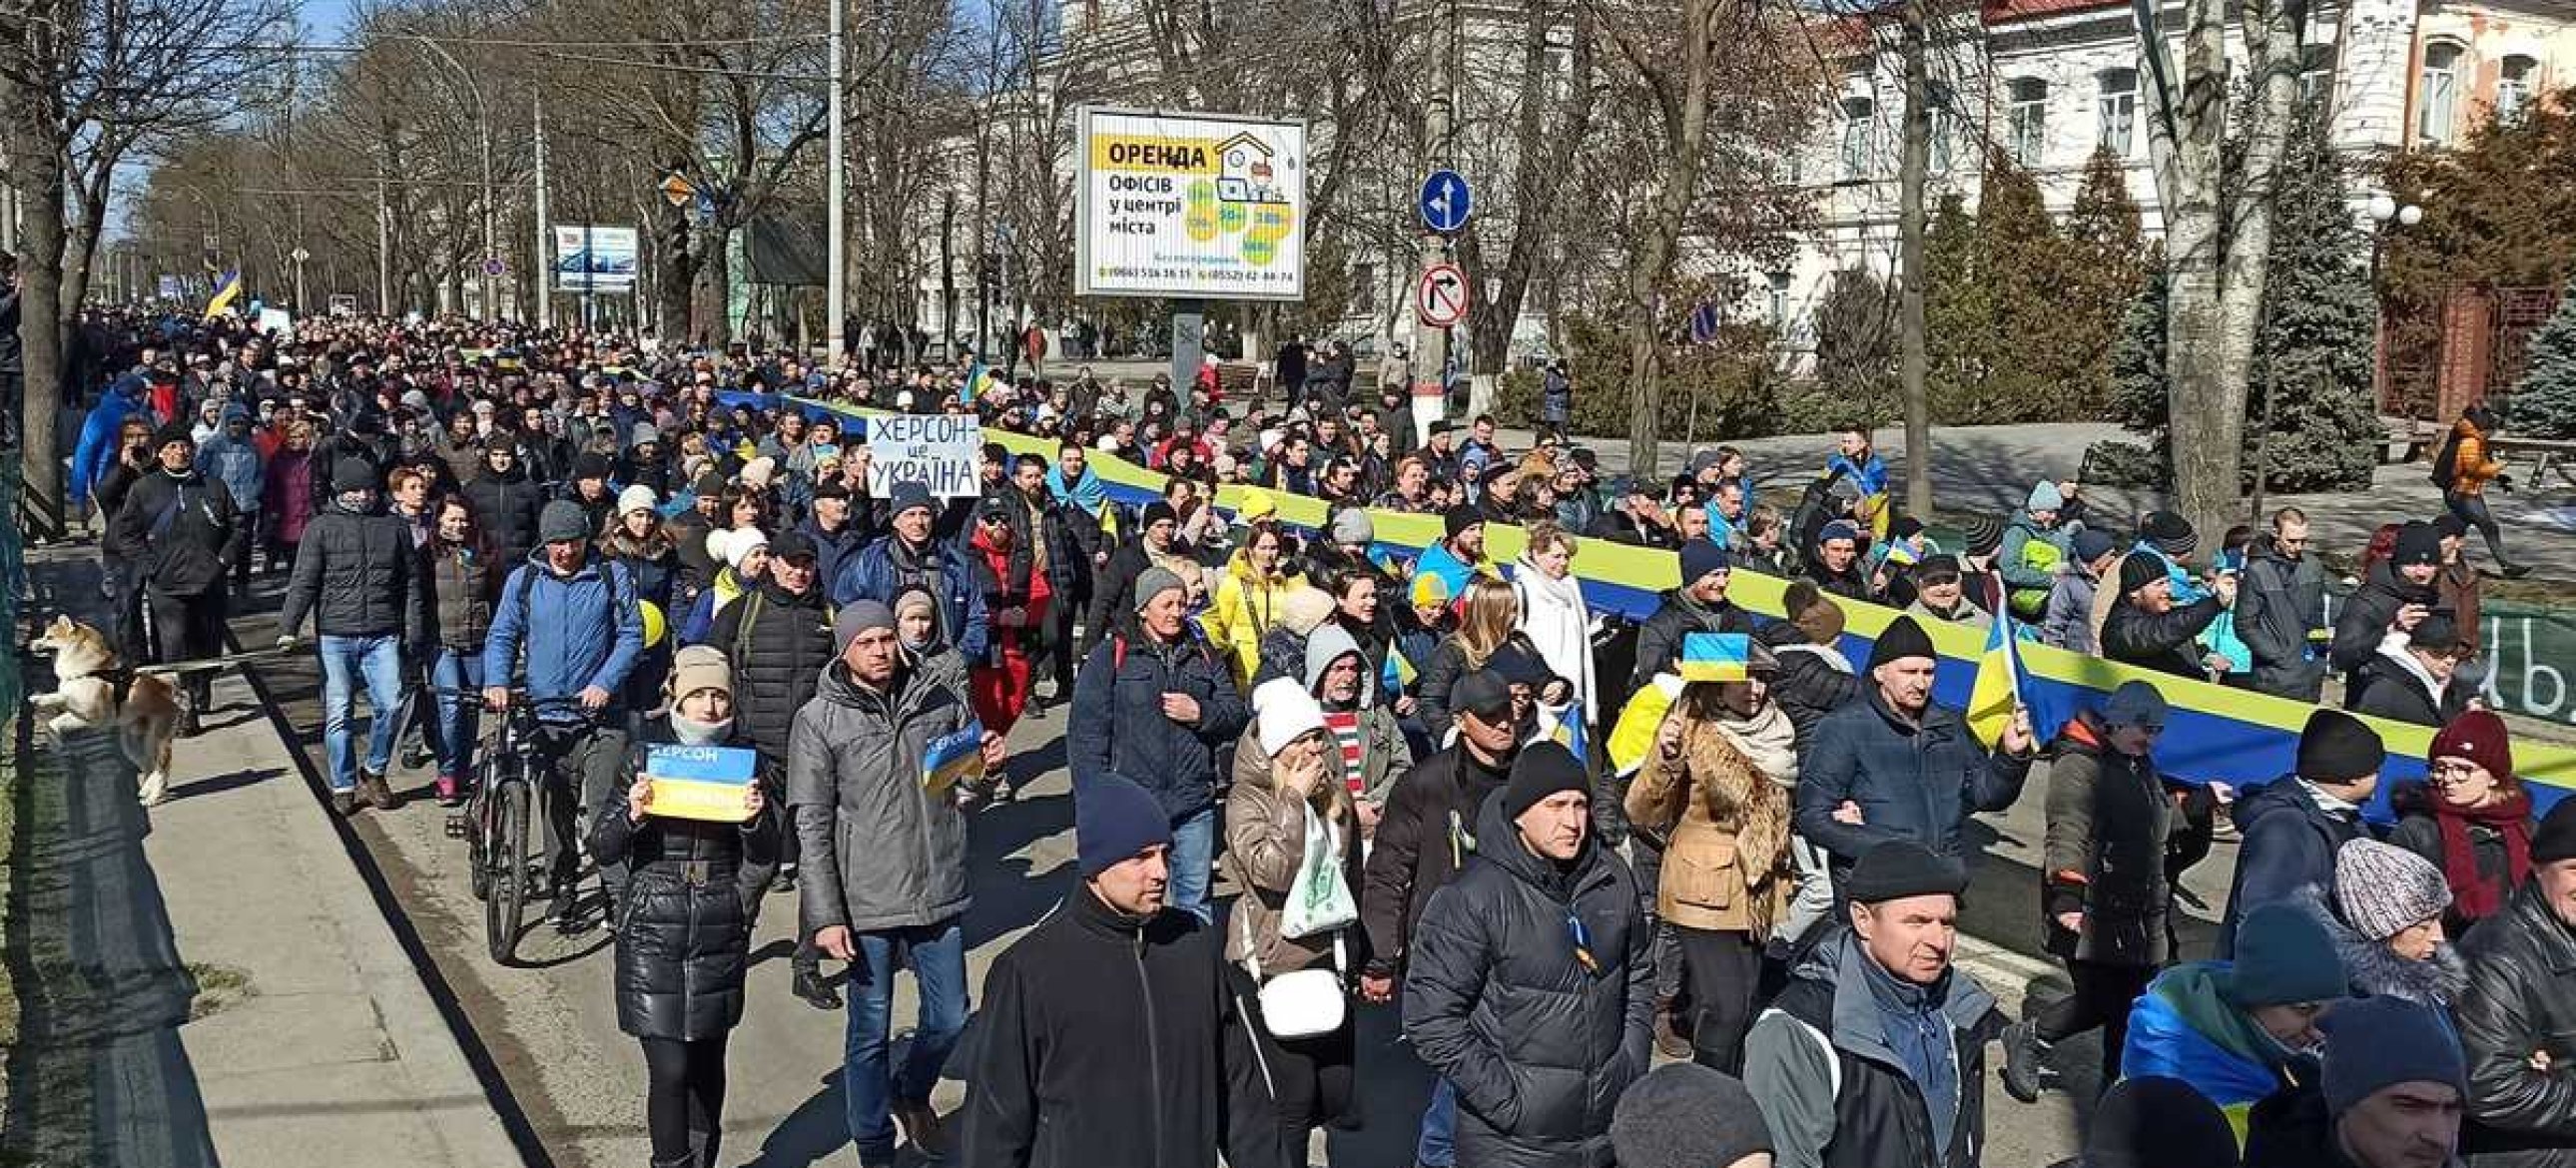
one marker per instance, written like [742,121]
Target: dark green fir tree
[2544,401]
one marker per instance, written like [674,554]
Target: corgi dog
[146,719]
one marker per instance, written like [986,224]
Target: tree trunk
[1543,166]
[2217,248]
[40,328]
[1686,127]
[1914,164]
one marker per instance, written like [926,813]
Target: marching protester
[357,574]
[2390,1094]
[1153,705]
[2386,921]
[2240,1029]
[1528,985]
[1909,758]
[882,851]
[1698,606]
[463,577]
[2281,610]
[2470,817]
[693,891]
[1875,1053]
[2520,1002]
[2294,825]
[1716,788]
[2107,879]
[177,524]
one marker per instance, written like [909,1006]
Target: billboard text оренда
[1191,206]
[594,259]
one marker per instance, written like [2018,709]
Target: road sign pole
[836,282]
[1189,345]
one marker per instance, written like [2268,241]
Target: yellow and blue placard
[953,759]
[701,782]
[1715,656]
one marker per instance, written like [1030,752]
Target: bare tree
[2218,227]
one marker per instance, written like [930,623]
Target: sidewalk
[253,1006]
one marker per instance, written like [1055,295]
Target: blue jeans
[937,955]
[1193,855]
[1438,1147]
[460,715]
[345,661]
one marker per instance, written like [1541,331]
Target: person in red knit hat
[2471,818]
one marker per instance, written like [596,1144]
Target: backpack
[2446,463]
[527,582]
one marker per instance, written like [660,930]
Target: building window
[2027,125]
[2316,73]
[1364,289]
[2513,88]
[2438,94]
[1858,162]
[1778,313]
[2118,104]
[1943,124]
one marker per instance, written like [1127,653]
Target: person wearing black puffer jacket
[359,575]
[684,936]
[506,500]
[1529,986]
[2394,597]
[779,639]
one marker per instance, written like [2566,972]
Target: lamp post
[2384,209]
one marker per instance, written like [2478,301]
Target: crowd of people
[1563,845]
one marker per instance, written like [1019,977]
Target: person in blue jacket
[909,557]
[1896,765]
[2239,1030]
[1153,705]
[96,451]
[574,613]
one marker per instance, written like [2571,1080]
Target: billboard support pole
[1189,335]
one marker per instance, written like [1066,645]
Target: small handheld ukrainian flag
[1716,656]
[1400,672]
[953,759]
[1997,693]
[1569,731]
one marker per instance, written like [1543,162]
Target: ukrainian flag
[1715,656]
[1400,672]
[227,289]
[953,759]
[1632,736]
[1997,693]
[701,782]
[974,384]
[1569,731]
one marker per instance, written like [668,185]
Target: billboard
[594,259]
[1189,205]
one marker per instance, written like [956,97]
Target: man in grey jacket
[2281,611]
[883,846]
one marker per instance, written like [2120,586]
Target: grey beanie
[1683,1115]
[2383,891]
[1353,526]
[644,433]
[2377,1042]
[1153,582]
[562,520]
[856,617]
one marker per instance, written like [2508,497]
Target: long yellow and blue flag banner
[2215,733]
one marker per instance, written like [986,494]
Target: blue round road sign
[1446,202]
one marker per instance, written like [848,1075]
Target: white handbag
[1300,1004]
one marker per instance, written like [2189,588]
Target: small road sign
[677,190]
[299,255]
[1441,299]
[1705,321]
[496,266]
[1446,202]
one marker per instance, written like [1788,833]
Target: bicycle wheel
[509,867]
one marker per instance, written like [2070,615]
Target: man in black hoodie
[506,500]
[2394,598]
[1101,1029]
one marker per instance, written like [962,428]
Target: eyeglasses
[2451,767]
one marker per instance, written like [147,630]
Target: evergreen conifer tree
[2543,404]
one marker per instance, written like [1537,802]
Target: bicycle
[494,821]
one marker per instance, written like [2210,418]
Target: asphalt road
[549,1023]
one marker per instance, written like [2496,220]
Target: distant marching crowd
[1311,773]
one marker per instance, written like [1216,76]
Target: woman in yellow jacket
[1249,600]
[2464,471]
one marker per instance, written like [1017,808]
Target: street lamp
[2384,209]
